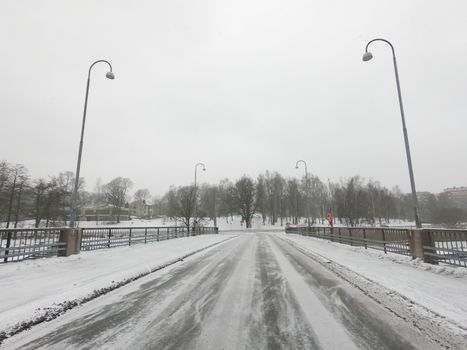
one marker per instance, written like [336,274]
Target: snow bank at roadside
[30,287]
[441,289]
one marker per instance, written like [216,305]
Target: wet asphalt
[255,291]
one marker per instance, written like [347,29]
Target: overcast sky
[243,86]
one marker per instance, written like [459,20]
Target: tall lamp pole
[366,57]
[196,195]
[109,75]
[307,191]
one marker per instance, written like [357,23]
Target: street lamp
[109,75]
[307,191]
[366,57]
[196,195]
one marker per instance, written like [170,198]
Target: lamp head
[204,169]
[367,56]
[296,166]
[110,75]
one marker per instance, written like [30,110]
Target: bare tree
[245,198]
[185,204]
[170,201]
[115,193]
[39,192]
[209,202]
[18,177]
[22,186]
[227,199]
[261,205]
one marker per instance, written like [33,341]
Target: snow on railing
[446,246]
[436,245]
[19,244]
[110,237]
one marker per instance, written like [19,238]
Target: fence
[388,240]
[99,238]
[435,245]
[20,244]
[447,246]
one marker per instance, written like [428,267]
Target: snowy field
[224,223]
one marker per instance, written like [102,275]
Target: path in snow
[253,291]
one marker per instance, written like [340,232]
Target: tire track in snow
[226,326]
[330,333]
[148,312]
[423,327]
[278,321]
[372,323]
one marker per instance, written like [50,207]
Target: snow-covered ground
[224,223]
[442,289]
[258,290]
[33,287]
[246,290]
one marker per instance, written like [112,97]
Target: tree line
[270,198]
[275,199]
[47,201]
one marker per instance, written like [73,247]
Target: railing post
[418,240]
[429,242]
[145,235]
[364,237]
[81,239]
[168,233]
[384,240]
[70,238]
[350,236]
[8,243]
[129,239]
[110,234]
[158,234]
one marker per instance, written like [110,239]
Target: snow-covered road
[255,291]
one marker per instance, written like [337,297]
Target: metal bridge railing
[391,240]
[437,245]
[109,237]
[446,246]
[20,244]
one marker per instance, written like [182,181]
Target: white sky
[242,86]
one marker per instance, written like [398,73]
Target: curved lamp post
[366,57]
[196,195]
[109,75]
[307,191]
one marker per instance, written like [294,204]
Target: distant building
[107,213]
[455,196]
[142,210]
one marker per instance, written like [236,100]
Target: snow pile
[402,259]
[441,289]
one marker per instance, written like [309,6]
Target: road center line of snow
[331,334]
